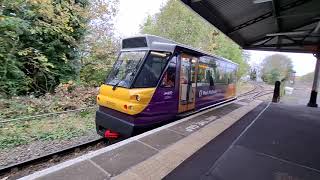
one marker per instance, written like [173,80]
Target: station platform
[240,140]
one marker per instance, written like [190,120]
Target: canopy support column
[314,92]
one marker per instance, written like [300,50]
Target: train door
[187,82]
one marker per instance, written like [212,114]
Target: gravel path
[40,148]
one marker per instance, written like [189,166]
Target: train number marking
[199,124]
[168,93]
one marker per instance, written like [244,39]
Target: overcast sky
[132,13]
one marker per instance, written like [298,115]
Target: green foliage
[61,127]
[272,76]
[92,75]
[67,97]
[178,23]
[276,67]
[39,44]
[253,75]
[97,64]
[99,48]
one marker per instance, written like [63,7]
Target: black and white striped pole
[314,92]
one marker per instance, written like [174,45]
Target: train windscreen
[152,69]
[125,68]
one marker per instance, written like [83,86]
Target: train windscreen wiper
[114,87]
[134,71]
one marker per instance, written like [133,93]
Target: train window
[221,73]
[151,70]
[206,75]
[170,75]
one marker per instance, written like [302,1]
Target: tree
[176,22]
[39,43]
[276,67]
[98,50]
[253,74]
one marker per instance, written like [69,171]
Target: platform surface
[281,144]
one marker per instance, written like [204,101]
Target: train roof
[151,42]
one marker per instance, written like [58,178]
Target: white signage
[206,92]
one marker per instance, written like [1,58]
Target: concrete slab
[162,163]
[256,166]
[122,158]
[287,132]
[278,144]
[162,139]
[76,171]
[193,124]
[223,110]
[210,153]
[245,100]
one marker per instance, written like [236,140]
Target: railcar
[154,80]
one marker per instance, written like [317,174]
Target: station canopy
[272,25]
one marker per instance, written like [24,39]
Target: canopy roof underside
[272,25]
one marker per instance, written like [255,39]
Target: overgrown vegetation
[48,42]
[67,96]
[178,23]
[59,127]
[53,54]
[39,44]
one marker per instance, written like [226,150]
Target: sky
[302,63]
[133,13]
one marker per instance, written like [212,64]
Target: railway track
[257,91]
[26,167]
[34,164]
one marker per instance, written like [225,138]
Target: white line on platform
[100,168]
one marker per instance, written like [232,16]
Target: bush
[39,44]
[92,75]
[67,96]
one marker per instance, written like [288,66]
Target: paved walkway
[281,144]
[154,154]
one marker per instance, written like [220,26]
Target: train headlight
[138,98]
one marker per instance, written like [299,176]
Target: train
[156,80]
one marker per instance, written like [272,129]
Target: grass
[60,127]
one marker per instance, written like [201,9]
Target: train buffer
[239,140]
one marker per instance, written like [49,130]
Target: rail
[45,158]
